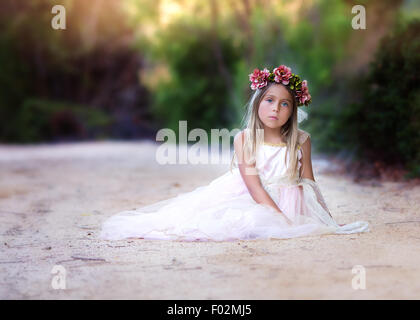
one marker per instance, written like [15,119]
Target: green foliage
[320,38]
[14,85]
[198,90]
[41,120]
[47,72]
[385,124]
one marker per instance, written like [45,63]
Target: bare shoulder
[239,135]
[303,137]
[238,140]
[305,143]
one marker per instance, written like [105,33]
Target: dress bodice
[272,162]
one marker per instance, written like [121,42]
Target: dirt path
[53,200]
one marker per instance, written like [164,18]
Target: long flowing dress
[224,210]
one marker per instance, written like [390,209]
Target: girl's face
[275,107]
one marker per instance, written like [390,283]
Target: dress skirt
[224,210]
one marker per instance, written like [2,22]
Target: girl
[270,191]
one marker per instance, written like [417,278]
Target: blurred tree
[196,87]
[385,124]
[91,63]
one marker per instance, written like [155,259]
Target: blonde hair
[254,138]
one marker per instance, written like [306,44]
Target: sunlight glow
[169,9]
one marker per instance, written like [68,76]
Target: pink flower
[303,94]
[282,74]
[259,78]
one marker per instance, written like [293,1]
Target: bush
[41,120]
[385,124]
[14,85]
[195,89]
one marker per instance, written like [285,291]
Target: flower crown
[283,75]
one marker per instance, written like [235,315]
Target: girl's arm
[251,178]
[306,161]
[308,173]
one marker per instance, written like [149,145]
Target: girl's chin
[272,125]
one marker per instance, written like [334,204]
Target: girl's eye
[284,104]
[270,100]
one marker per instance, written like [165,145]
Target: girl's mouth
[274,118]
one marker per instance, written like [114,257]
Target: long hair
[254,133]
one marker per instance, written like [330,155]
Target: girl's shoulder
[302,136]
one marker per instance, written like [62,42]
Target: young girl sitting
[269,192]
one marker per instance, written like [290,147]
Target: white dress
[224,210]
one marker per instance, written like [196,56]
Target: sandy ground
[53,199]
